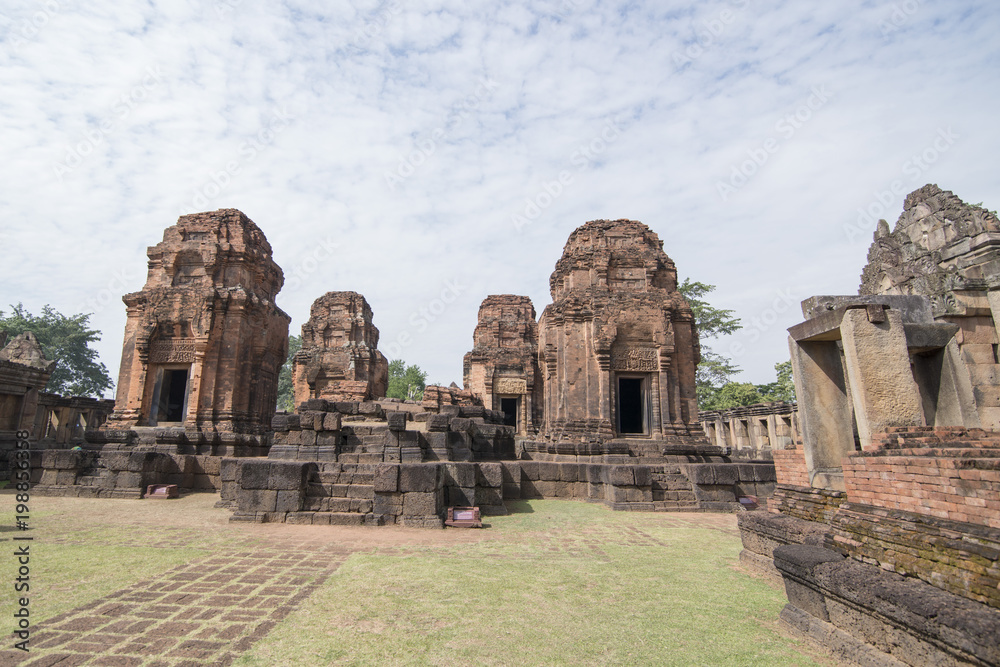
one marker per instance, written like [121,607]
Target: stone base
[763,532]
[887,619]
[841,644]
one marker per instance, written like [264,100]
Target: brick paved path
[206,612]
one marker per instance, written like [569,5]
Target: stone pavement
[206,612]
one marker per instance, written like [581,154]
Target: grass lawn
[559,583]
[554,583]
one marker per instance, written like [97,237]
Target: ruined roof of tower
[341,298]
[224,226]
[932,250]
[352,308]
[494,300]
[620,243]
[24,349]
[205,247]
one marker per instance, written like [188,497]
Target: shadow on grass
[518,506]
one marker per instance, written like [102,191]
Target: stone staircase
[672,490]
[341,494]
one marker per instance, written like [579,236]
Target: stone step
[326,490]
[671,506]
[345,477]
[344,505]
[683,497]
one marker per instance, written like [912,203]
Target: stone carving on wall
[510,386]
[171,352]
[638,359]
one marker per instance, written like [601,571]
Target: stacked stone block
[120,474]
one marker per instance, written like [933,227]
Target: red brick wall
[956,484]
[790,466]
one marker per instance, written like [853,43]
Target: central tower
[618,346]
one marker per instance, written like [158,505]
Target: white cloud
[368,84]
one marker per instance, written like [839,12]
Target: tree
[714,370]
[65,340]
[784,388]
[286,393]
[735,394]
[405,382]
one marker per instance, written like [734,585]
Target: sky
[428,154]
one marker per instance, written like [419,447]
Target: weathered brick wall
[805,503]
[790,466]
[958,558]
[946,473]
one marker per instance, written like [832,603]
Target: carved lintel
[640,359]
[172,351]
[510,386]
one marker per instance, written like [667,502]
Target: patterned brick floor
[206,612]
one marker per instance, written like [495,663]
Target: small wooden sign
[162,491]
[464,517]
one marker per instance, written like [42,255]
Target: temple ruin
[885,523]
[594,402]
[502,367]
[204,340]
[339,359]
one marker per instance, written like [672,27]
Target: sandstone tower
[502,367]
[204,340]
[618,346]
[339,359]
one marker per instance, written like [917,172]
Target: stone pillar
[878,365]
[824,410]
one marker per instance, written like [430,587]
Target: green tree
[735,394]
[286,393]
[405,382]
[784,388]
[714,370]
[65,340]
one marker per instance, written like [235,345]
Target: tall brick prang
[204,339]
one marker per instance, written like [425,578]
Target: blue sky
[428,154]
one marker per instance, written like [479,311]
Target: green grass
[555,583]
[83,549]
[539,595]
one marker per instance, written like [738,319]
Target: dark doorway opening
[173,391]
[630,406]
[509,408]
